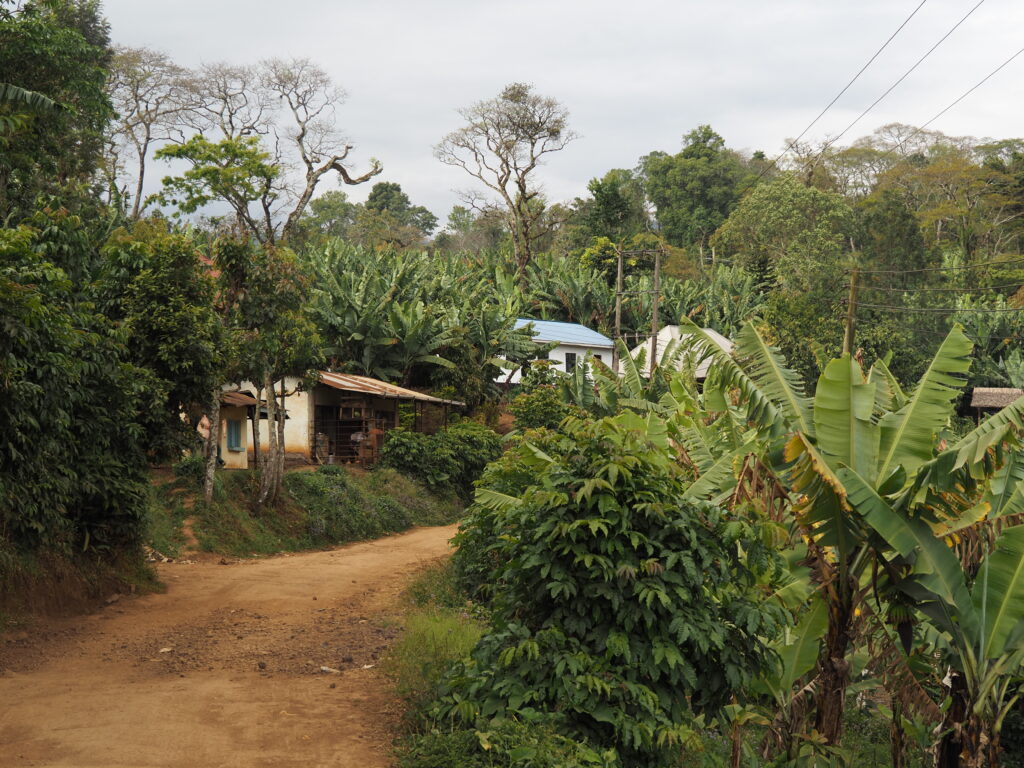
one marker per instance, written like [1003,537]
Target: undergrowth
[328,506]
[64,581]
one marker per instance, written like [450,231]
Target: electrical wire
[986,265]
[904,76]
[846,87]
[963,96]
[942,290]
[895,308]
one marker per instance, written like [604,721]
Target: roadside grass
[441,627]
[62,582]
[331,505]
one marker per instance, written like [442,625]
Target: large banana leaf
[889,395]
[998,593]
[937,568]
[22,97]
[908,435]
[1005,494]
[972,447]
[725,373]
[717,478]
[798,650]
[843,409]
[766,367]
[824,510]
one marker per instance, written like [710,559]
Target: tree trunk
[897,735]
[257,454]
[269,464]
[212,442]
[950,749]
[282,413]
[833,669]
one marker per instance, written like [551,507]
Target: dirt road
[222,670]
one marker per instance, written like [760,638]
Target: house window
[570,361]
[597,357]
[234,434]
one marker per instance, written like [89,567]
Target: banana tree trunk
[833,668]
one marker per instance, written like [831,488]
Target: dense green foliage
[320,508]
[450,460]
[620,607]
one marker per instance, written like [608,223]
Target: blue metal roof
[566,333]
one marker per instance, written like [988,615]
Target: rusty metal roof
[237,398]
[994,397]
[351,383]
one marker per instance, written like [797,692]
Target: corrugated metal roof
[351,383]
[237,398]
[566,333]
[994,397]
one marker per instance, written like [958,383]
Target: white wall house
[574,342]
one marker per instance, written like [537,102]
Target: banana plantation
[877,552]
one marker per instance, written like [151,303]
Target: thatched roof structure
[994,397]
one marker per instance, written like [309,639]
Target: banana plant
[862,437]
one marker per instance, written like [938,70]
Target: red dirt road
[224,670]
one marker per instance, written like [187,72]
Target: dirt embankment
[256,663]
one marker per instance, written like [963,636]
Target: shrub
[622,609]
[476,560]
[505,743]
[540,407]
[338,511]
[191,471]
[451,460]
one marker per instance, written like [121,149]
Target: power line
[895,308]
[986,265]
[943,290]
[904,76]
[963,96]
[846,87]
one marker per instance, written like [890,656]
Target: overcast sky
[634,75]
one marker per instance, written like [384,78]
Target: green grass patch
[328,506]
[433,639]
[165,515]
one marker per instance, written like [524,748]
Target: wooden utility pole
[851,313]
[618,311]
[654,312]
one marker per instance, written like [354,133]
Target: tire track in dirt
[227,668]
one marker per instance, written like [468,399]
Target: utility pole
[654,312]
[618,310]
[851,313]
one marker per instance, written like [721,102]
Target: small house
[671,334]
[986,400]
[341,419]
[573,342]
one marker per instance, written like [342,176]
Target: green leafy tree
[60,51]
[623,643]
[695,190]
[160,291]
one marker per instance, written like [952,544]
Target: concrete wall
[557,356]
[297,427]
[234,459]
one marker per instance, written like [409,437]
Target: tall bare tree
[268,136]
[501,145]
[148,91]
[308,99]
